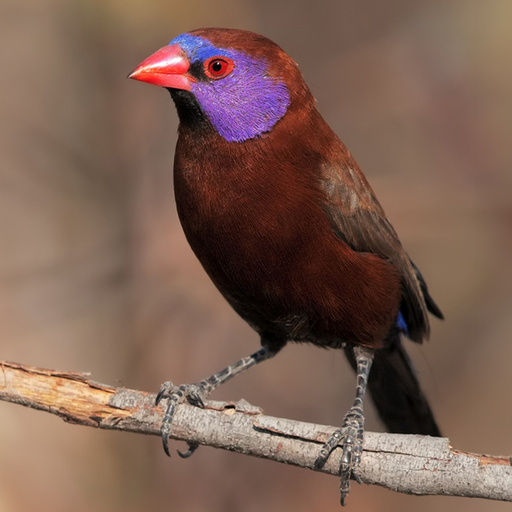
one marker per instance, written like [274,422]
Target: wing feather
[359,220]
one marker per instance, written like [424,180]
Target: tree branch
[404,463]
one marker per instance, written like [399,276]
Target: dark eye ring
[218,67]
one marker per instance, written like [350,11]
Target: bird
[289,230]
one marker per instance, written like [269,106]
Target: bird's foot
[194,394]
[351,436]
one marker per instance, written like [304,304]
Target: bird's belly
[296,282]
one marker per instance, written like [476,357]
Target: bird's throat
[189,111]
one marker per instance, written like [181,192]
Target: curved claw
[357,477]
[165,444]
[159,396]
[320,462]
[195,398]
[192,447]
[164,432]
[164,391]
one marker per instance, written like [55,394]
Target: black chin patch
[189,111]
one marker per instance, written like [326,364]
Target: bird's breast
[241,226]
[259,229]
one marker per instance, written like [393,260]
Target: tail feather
[397,394]
[429,301]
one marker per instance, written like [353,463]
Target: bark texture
[410,464]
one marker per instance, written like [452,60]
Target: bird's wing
[359,220]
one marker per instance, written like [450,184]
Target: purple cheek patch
[244,104]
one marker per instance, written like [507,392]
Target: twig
[408,464]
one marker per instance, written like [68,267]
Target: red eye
[218,67]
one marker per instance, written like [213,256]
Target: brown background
[95,274]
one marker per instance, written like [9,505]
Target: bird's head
[240,83]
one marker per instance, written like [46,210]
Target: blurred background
[96,276]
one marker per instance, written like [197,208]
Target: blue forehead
[197,48]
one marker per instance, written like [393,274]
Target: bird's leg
[352,432]
[196,393]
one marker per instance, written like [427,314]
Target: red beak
[167,67]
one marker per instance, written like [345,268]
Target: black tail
[396,392]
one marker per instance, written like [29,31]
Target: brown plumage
[267,241]
[287,226]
